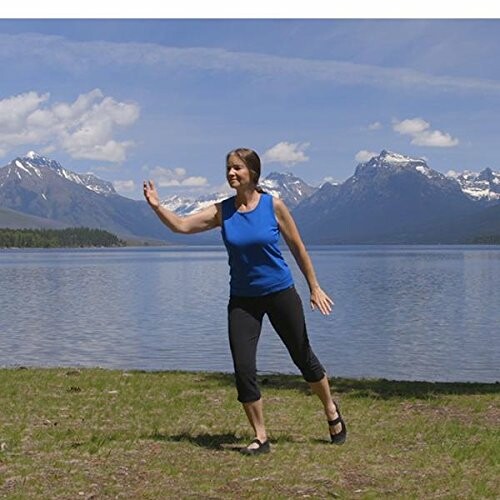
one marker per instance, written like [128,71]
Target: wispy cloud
[363,155]
[422,135]
[173,177]
[375,126]
[78,57]
[330,180]
[83,128]
[127,186]
[286,153]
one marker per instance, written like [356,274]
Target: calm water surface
[401,312]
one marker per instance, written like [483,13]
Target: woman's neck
[247,198]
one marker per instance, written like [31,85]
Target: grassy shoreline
[98,433]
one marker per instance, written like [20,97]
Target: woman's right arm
[204,220]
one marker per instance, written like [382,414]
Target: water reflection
[415,313]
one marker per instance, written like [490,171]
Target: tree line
[492,239]
[53,238]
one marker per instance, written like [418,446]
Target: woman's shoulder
[277,202]
[225,201]
[227,206]
[271,198]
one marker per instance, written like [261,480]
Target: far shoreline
[263,376]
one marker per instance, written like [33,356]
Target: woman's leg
[287,318]
[245,324]
[286,314]
[322,390]
[255,415]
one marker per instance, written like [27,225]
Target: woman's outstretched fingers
[321,300]
[150,193]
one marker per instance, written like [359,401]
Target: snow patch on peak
[34,164]
[33,155]
[392,157]
[391,161]
[428,172]
[269,183]
[21,166]
[484,185]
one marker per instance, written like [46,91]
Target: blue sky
[165,99]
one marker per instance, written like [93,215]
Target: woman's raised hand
[151,194]
[321,300]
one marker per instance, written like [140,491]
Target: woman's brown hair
[251,160]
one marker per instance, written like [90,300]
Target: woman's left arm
[292,237]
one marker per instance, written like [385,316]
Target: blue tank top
[256,264]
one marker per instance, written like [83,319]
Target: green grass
[96,433]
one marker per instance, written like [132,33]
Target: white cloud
[435,138]
[224,188]
[195,181]
[124,186]
[181,172]
[78,56]
[363,155]
[374,126]
[412,126]
[83,128]
[286,153]
[47,150]
[422,135]
[176,177]
[15,110]
[331,180]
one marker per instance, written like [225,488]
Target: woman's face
[237,173]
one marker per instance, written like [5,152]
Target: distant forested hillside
[493,239]
[53,238]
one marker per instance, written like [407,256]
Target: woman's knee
[247,387]
[249,397]
[311,368]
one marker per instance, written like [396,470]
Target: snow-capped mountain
[394,162]
[483,186]
[35,165]
[391,198]
[186,206]
[399,177]
[291,189]
[41,187]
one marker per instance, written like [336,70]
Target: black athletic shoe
[263,447]
[339,437]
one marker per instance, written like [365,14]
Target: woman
[261,283]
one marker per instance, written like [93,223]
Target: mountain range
[394,198]
[483,186]
[391,198]
[291,189]
[41,187]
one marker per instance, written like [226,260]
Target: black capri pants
[285,312]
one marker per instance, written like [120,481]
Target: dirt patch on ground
[356,480]
[490,416]
[442,412]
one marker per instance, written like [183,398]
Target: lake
[401,312]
